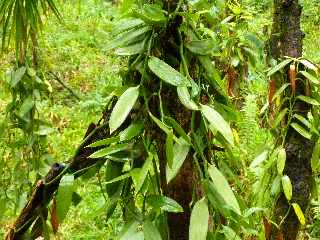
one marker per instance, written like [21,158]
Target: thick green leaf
[287,187]
[280,90]
[301,130]
[169,149]
[223,188]
[185,98]
[132,49]
[127,24]
[212,74]
[26,106]
[217,123]
[44,130]
[276,186]
[173,123]
[199,221]
[309,64]
[309,100]
[279,117]
[180,151]
[281,160]
[201,47]
[113,170]
[309,76]
[299,213]
[150,231]
[130,231]
[230,233]
[132,131]
[104,142]
[128,38]
[123,107]
[17,76]
[64,196]
[279,66]
[315,160]
[151,13]
[167,73]
[142,173]
[302,120]
[163,126]
[109,150]
[164,203]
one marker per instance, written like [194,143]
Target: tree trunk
[286,40]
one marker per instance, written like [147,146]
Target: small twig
[56,77]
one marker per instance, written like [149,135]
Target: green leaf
[287,187]
[301,130]
[281,160]
[130,231]
[169,149]
[201,47]
[132,49]
[280,90]
[173,123]
[309,64]
[167,73]
[279,117]
[163,126]
[17,76]
[123,107]
[185,98]
[64,196]
[132,131]
[44,130]
[212,74]
[223,188]
[309,76]
[279,66]
[276,186]
[109,150]
[150,231]
[309,100]
[104,142]
[217,123]
[127,24]
[180,151]
[230,233]
[128,38]
[142,173]
[299,213]
[151,13]
[164,203]
[26,106]
[302,120]
[199,221]
[119,178]
[113,170]
[315,160]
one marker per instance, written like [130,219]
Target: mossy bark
[286,40]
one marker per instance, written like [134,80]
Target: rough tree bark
[286,40]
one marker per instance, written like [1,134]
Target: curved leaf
[217,122]
[199,221]
[164,203]
[223,188]
[123,107]
[287,187]
[167,73]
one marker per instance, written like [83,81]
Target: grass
[73,50]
